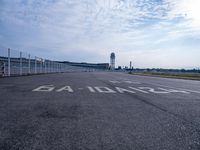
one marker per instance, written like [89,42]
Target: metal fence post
[35,65]
[59,67]
[56,67]
[45,67]
[49,66]
[29,64]
[20,63]
[52,66]
[8,61]
[41,66]
[4,69]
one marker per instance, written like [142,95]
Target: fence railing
[14,62]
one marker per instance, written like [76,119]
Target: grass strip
[189,76]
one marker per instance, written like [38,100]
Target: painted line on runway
[188,90]
[124,81]
[91,89]
[65,88]
[139,90]
[44,88]
[102,89]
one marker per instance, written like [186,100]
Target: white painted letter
[131,82]
[153,90]
[104,90]
[175,91]
[65,88]
[44,88]
[122,90]
[138,90]
[91,89]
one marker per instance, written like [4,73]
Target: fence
[14,63]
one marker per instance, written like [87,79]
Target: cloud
[93,29]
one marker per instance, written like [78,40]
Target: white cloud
[95,28]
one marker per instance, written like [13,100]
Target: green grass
[189,76]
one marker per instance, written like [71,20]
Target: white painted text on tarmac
[108,90]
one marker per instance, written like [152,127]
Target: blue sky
[151,33]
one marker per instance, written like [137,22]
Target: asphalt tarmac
[99,111]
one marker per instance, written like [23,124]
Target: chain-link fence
[15,63]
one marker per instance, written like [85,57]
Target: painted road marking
[138,90]
[131,82]
[91,89]
[124,81]
[122,90]
[188,90]
[44,88]
[102,89]
[174,91]
[65,88]
[152,90]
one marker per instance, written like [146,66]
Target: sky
[150,33]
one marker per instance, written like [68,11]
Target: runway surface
[99,111]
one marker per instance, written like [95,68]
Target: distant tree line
[160,70]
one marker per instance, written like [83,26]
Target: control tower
[112,61]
